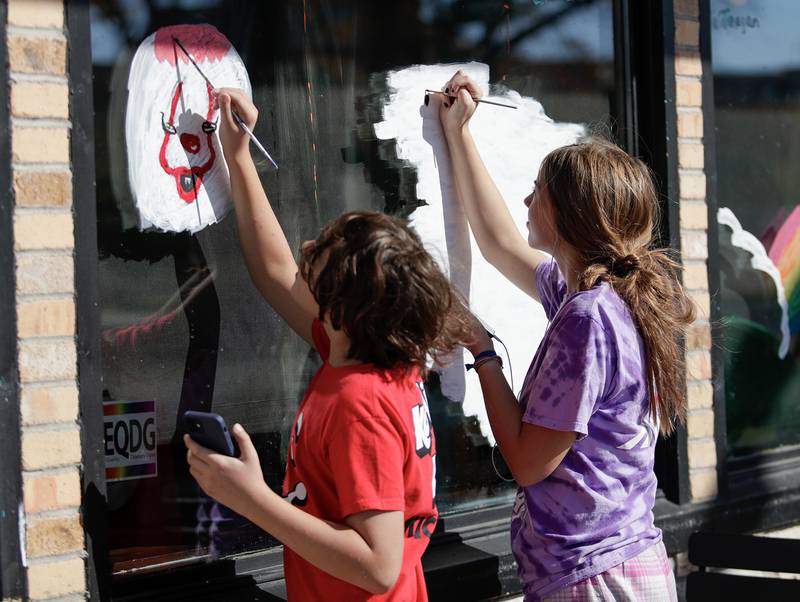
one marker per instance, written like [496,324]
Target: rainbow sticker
[785,254]
[129,433]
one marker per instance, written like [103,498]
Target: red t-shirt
[362,440]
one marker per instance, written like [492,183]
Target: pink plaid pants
[647,577]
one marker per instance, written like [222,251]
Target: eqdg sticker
[129,431]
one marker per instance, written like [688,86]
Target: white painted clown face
[177,172]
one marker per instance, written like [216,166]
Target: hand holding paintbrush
[459,99]
[475,99]
[238,116]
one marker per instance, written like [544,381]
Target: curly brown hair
[384,290]
[606,207]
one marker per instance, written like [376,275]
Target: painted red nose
[191,143]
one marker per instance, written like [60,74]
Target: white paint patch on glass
[760,260]
[513,144]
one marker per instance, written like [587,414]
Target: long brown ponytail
[606,208]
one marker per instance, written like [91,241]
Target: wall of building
[43,242]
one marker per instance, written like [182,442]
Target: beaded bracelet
[478,357]
[486,360]
[483,357]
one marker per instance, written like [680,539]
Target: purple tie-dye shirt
[596,509]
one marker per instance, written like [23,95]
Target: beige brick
[690,124]
[694,244]
[52,579]
[37,54]
[43,188]
[47,360]
[40,405]
[49,536]
[40,99]
[698,365]
[48,317]
[703,484]
[42,274]
[690,156]
[694,215]
[49,449]
[688,62]
[702,453]
[43,231]
[700,424]
[39,145]
[687,33]
[699,395]
[698,335]
[695,275]
[692,185]
[687,8]
[52,491]
[689,92]
[702,303]
[36,13]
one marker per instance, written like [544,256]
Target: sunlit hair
[381,287]
[606,208]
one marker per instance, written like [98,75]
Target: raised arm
[269,259]
[498,237]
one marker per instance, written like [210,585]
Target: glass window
[184,328]
[756,62]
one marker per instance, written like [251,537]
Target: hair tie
[624,266]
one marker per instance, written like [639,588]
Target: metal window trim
[736,476]
[93,486]
[12,570]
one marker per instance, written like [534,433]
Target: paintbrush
[488,102]
[236,116]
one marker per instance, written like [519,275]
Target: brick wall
[694,248]
[43,242]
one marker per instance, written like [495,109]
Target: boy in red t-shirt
[361,472]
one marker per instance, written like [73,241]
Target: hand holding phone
[209,430]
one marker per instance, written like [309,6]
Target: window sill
[470,557]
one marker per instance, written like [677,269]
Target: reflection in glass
[757,101]
[183,324]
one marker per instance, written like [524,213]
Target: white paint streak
[513,144]
[759,260]
[151,85]
[23,530]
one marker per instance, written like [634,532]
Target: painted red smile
[188,182]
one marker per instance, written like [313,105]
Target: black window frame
[12,570]
[469,556]
[775,471]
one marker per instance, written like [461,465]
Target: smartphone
[209,430]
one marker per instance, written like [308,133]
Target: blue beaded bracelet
[483,355]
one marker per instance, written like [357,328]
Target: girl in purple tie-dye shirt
[580,440]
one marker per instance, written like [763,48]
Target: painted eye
[209,127]
[167,127]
